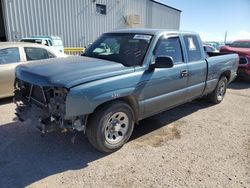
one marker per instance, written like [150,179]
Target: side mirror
[163,62]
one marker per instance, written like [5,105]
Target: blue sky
[212,18]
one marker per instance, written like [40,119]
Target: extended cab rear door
[197,65]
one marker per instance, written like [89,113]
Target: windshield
[127,49]
[240,44]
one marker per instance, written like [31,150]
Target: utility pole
[225,39]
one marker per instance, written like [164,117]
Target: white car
[209,48]
[13,54]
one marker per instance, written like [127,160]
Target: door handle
[184,73]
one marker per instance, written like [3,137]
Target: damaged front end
[45,106]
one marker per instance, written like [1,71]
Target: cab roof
[151,31]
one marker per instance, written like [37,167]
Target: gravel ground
[194,145]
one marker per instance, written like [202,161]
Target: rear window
[37,53]
[38,41]
[57,43]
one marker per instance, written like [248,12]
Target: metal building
[79,22]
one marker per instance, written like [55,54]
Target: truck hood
[240,51]
[69,71]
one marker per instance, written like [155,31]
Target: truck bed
[217,63]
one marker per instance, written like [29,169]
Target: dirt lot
[194,145]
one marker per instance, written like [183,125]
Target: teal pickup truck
[139,73]
[51,41]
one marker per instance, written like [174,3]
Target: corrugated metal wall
[77,22]
[163,16]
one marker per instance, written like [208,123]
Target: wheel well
[227,74]
[131,101]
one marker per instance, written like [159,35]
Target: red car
[242,48]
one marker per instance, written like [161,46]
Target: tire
[110,126]
[219,92]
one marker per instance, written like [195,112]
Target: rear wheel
[218,94]
[111,126]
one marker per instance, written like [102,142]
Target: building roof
[165,5]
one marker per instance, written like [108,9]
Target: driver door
[166,87]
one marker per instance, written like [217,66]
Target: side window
[193,48]
[9,55]
[169,47]
[37,53]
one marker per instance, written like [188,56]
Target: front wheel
[219,93]
[111,126]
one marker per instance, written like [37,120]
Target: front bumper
[32,113]
[244,67]
[45,107]
[244,72]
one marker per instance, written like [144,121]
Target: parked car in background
[16,53]
[242,48]
[208,48]
[137,74]
[51,41]
[228,43]
[216,45]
